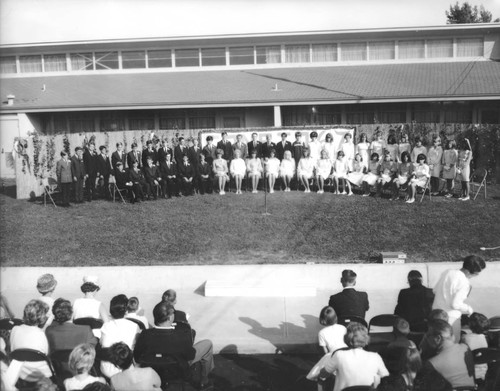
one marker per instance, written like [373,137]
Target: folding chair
[137,322]
[345,320]
[383,320]
[93,323]
[115,189]
[49,188]
[9,323]
[31,355]
[425,189]
[478,181]
[59,359]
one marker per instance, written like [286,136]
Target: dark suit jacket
[166,171]
[162,153]
[121,177]
[68,335]
[257,147]
[210,154]
[204,169]
[194,155]
[131,159]
[147,153]
[350,302]
[90,161]
[186,171]
[103,165]
[414,305]
[151,173]
[266,149]
[227,148]
[179,153]
[280,149]
[78,167]
[243,148]
[136,176]
[115,158]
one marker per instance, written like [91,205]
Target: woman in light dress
[272,166]
[404,145]
[355,177]
[237,168]
[373,173]
[450,159]
[287,169]
[418,149]
[377,145]
[329,147]
[348,149]
[220,171]
[254,170]
[463,171]
[340,170]
[323,170]
[363,147]
[421,174]
[392,148]
[305,169]
[434,156]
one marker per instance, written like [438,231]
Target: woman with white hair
[287,169]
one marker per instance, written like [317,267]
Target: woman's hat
[92,279]
[46,283]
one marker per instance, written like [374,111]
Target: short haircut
[474,264]
[414,278]
[134,145]
[162,312]
[418,139]
[401,326]
[406,155]
[348,276]
[169,296]
[220,152]
[89,287]
[64,154]
[254,134]
[119,164]
[374,155]
[356,335]
[180,139]
[102,147]
[328,136]
[133,304]
[97,386]
[348,135]
[35,313]
[479,323]
[284,134]
[439,327]
[327,316]
[149,142]
[421,157]
[119,143]
[451,144]
[340,153]
[120,355]
[209,138]
[223,134]
[438,313]
[272,151]
[81,358]
[391,139]
[62,310]
[118,306]
[78,149]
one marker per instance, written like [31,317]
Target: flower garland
[66,145]
[50,146]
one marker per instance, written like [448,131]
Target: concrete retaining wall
[248,324]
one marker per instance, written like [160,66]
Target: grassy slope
[231,229]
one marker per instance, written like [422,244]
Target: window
[106,60]
[212,57]
[79,123]
[81,61]
[268,54]
[353,51]
[296,53]
[241,56]
[142,120]
[470,47]
[159,58]
[54,63]
[381,50]
[187,58]
[391,113]
[133,60]
[411,49]
[490,116]
[202,122]
[457,112]
[30,64]
[439,48]
[111,121]
[173,123]
[361,114]
[296,115]
[232,122]
[8,65]
[324,52]
[427,112]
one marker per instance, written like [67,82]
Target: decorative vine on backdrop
[38,168]
[50,146]
[66,145]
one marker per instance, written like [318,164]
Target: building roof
[256,87]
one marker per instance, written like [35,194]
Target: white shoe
[320,191]
[350,193]
[366,195]
[465,198]
[410,201]
[271,191]
[254,191]
[222,192]
[336,193]
[307,191]
[344,193]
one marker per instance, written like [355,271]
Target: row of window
[247,55]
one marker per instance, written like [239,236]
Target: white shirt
[86,307]
[451,291]
[30,337]
[119,330]
[332,337]
[78,384]
[140,318]
[315,149]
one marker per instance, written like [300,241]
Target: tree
[466,13]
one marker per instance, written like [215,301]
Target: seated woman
[89,306]
[403,175]
[237,168]
[80,363]
[392,148]
[305,169]
[403,364]
[370,179]
[272,166]
[340,170]
[355,366]
[254,169]
[388,169]
[323,171]
[420,176]
[131,377]
[220,171]
[355,177]
[287,169]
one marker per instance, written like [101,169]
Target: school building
[443,74]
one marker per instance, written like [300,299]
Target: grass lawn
[232,229]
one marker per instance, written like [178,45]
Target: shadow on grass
[9,188]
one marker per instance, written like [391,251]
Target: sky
[30,21]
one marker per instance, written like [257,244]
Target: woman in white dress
[340,170]
[329,147]
[421,174]
[272,166]
[378,145]
[254,169]
[287,169]
[348,149]
[305,169]
[373,173]
[403,145]
[220,170]
[355,177]
[323,171]
[392,148]
[362,148]
[237,168]
[434,157]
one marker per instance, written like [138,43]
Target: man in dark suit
[134,156]
[186,174]
[267,147]
[283,146]
[210,151]
[297,147]
[226,147]
[349,302]
[241,146]
[162,152]
[254,145]
[194,154]
[104,171]
[118,156]
[168,172]
[180,150]
[90,161]
[204,176]
[153,177]
[149,152]
[79,173]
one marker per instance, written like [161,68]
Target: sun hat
[46,283]
[92,279]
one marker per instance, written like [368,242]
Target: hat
[46,283]
[92,279]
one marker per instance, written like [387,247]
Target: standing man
[283,146]
[64,178]
[255,145]
[90,161]
[349,302]
[134,156]
[118,156]
[267,147]
[79,174]
[104,171]
[180,150]
[210,151]
[162,152]
[168,172]
[226,147]
[149,153]
[241,146]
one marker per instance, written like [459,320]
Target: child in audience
[377,146]
[305,169]
[403,175]
[373,173]
[132,311]
[323,171]
[463,171]
[450,159]
[434,156]
[358,170]
[418,149]
[220,171]
[348,149]
[392,148]
[237,168]
[363,147]
[287,169]
[419,178]
[272,166]
[254,169]
[80,363]
[388,169]
[340,170]
[403,146]
[331,337]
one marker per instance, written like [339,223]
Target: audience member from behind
[453,288]
[400,330]
[415,302]
[116,330]
[131,378]
[355,366]
[88,306]
[132,311]
[170,338]
[479,326]
[46,285]
[97,386]
[80,363]
[62,334]
[349,302]
[170,297]
[403,364]
[31,336]
[46,384]
[331,337]
[426,350]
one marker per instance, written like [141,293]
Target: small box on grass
[393,257]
